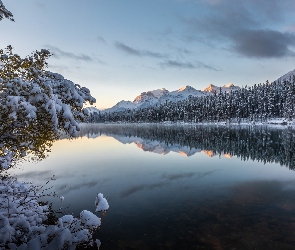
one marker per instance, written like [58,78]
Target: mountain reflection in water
[259,143]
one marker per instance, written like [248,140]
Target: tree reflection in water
[259,143]
[31,143]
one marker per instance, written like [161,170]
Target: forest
[258,103]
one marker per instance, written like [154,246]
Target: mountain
[181,94]
[287,76]
[121,106]
[158,96]
[225,88]
[150,96]
[146,99]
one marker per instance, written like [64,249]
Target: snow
[121,106]
[101,203]
[56,101]
[150,96]
[225,88]
[31,100]
[92,110]
[89,219]
[230,85]
[6,159]
[159,92]
[22,220]
[181,94]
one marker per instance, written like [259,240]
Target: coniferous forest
[247,104]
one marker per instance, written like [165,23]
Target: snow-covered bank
[277,122]
[23,220]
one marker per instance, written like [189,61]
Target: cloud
[186,65]
[40,5]
[168,63]
[127,49]
[264,43]
[59,68]
[140,53]
[101,39]
[58,53]
[250,28]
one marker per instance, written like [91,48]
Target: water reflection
[253,215]
[260,143]
[175,202]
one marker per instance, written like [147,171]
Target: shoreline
[275,122]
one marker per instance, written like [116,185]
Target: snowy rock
[101,203]
[89,219]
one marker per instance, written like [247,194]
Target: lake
[177,186]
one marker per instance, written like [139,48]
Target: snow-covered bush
[22,220]
[35,105]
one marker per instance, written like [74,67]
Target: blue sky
[119,49]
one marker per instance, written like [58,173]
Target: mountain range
[159,96]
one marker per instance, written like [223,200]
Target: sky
[119,49]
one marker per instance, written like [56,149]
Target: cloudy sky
[120,48]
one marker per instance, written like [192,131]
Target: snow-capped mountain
[181,94]
[225,88]
[150,96]
[158,96]
[121,106]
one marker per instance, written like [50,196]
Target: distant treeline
[260,143]
[252,104]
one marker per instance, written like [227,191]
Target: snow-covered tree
[35,107]
[4,13]
[35,104]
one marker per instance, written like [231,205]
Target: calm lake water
[178,187]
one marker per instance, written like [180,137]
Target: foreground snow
[22,220]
